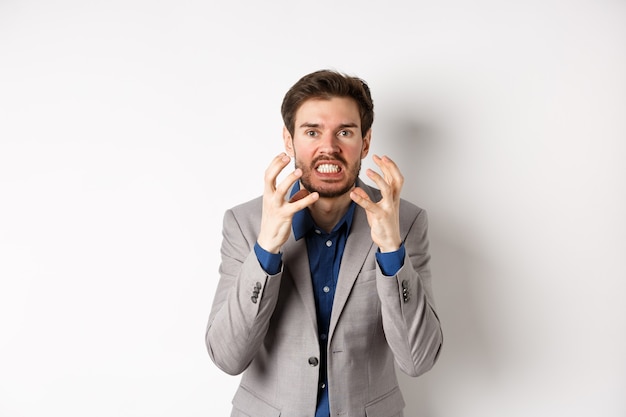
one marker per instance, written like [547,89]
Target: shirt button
[326,289]
[322,386]
[323,336]
[329,243]
[318,231]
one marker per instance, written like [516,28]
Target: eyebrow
[342,126]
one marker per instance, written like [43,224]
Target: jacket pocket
[253,406]
[389,405]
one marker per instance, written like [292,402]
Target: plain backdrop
[127,128]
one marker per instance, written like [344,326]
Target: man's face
[327,145]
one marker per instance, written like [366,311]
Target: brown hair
[325,84]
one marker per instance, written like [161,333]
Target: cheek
[302,150]
[357,152]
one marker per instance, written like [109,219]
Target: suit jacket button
[313,361]
[254,298]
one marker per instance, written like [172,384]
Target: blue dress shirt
[325,251]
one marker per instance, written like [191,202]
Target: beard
[330,188]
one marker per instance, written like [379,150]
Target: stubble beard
[330,191]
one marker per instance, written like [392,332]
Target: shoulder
[410,209]
[250,206]
[246,215]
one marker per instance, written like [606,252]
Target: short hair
[326,84]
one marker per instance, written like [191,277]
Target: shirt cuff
[391,262]
[270,262]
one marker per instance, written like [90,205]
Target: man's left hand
[383,216]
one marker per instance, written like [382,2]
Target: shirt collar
[303,222]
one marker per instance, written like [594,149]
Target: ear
[366,144]
[288,141]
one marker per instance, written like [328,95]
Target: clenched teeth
[327,168]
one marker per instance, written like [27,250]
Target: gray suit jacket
[265,326]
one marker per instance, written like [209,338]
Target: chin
[330,190]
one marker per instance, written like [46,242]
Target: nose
[329,143]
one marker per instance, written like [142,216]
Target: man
[324,281]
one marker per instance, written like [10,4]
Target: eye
[344,133]
[311,133]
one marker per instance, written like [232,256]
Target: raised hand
[383,216]
[277,211]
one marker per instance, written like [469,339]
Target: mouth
[328,168]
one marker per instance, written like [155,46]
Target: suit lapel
[357,248]
[296,259]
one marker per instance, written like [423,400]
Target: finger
[304,201]
[381,183]
[285,185]
[359,196]
[273,170]
[392,176]
[390,169]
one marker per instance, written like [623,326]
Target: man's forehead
[336,110]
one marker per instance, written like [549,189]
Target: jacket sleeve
[243,304]
[410,322]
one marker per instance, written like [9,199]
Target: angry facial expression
[328,145]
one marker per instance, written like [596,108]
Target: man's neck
[327,212]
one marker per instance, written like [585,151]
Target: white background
[128,127]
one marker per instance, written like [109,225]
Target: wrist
[390,247]
[268,247]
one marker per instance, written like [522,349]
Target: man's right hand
[277,211]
